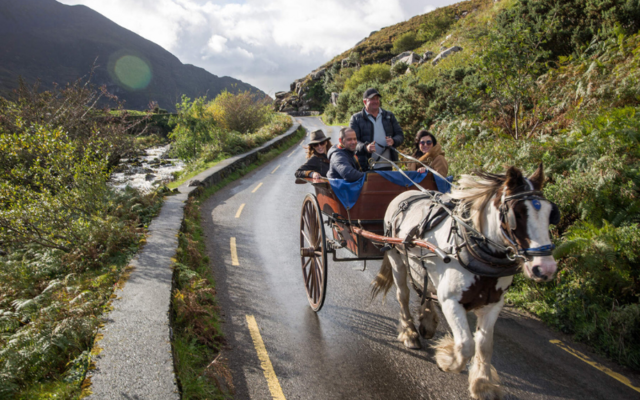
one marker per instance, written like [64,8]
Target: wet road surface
[279,348]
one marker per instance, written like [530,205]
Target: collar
[366,114]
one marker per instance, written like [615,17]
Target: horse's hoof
[425,333]
[412,344]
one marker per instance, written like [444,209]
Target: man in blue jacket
[375,128]
[342,161]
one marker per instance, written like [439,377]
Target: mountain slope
[530,82]
[46,40]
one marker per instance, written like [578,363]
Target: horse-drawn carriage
[359,229]
[500,226]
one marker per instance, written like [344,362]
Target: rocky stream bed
[147,170]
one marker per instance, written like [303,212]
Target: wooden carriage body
[360,229]
[367,213]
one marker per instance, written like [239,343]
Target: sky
[266,43]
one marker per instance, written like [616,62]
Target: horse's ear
[514,179]
[537,178]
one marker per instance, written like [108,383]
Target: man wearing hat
[317,164]
[375,128]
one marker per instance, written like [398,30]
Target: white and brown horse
[509,210]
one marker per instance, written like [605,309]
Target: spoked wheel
[313,252]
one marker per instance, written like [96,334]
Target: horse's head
[525,216]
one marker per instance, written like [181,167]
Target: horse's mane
[474,192]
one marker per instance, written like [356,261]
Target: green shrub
[231,143]
[405,42]
[50,300]
[243,112]
[317,95]
[50,191]
[72,110]
[193,128]
[399,68]
[437,24]
[335,81]
[572,24]
[372,75]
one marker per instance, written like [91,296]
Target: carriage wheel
[313,252]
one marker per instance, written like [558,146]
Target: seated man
[343,163]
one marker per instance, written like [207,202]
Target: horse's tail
[384,279]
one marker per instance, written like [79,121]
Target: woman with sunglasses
[317,164]
[429,152]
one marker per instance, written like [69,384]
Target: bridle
[508,218]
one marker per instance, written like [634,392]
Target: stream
[146,172]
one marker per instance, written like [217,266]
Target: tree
[243,112]
[510,64]
[192,128]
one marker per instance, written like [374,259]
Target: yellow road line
[239,211]
[257,187]
[585,358]
[265,362]
[275,169]
[292,153]
[234,253]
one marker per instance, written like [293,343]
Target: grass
[47,354]
[384,37]
[202,168]
[234,143]
[335,123]
[197,340]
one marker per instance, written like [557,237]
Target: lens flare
[132,72]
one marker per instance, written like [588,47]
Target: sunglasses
[426,142]
[319,144]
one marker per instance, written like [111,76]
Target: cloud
[267,43]
[217,44]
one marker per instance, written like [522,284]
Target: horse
[511,218]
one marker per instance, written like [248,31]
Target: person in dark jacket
[374,129]
[317,164]
[342,160]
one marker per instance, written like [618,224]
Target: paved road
[348,350]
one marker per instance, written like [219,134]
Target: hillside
[525,82]
[46,40]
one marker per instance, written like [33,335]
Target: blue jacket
[343,164]
[364,132]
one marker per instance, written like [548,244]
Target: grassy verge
[201,168]
[335,122]
[51,302]
[197,336]
[228,144]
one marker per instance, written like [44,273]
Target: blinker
[536,204]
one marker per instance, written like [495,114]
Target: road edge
[134,356]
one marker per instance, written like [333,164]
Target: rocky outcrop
[428,55]
[334,98]
[318,74]
[400,56]
[410,59]
[446,53]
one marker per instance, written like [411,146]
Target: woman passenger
[317,164]
[429,152]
